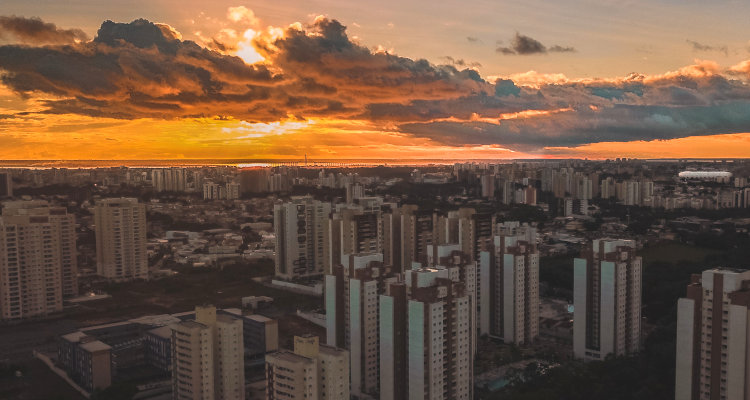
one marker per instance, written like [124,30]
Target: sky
[472,79]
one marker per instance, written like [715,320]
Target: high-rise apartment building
[121,239]
[416,234]
[169,179]
[475,275]
[514,284]
[391,217]
[333,366]
[472,230]
[63,226]
[6,184]
[302,237]
[607,300]
[254,180]
[38,264]
[312,371]
[475,232]
[208,357]
[352,313]
[713,355]
[426,337]
[356,229]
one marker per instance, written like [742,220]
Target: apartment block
[312,371]
[302,237]
[6,184]
[426,337]
[169,179]
[514,284]
[416,234]
[607,300]
[121,239]
[38,264]
[208,357]
[87,361]
[352,313]
[713,354]
[356,229]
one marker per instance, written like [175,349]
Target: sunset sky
[159,79]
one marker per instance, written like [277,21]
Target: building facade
[302,238]
[713,354]
[352,313]
[208,357]
[38,263]
[426,335]
[312,371]
[121,239]
[607,300]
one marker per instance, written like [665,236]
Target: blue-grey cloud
[35,31]
[700,47]
[526,45]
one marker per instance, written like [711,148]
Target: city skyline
[480,80]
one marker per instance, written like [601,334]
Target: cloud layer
[146,70]
[524,45]
[36,31]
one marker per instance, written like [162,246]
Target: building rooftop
[95,346]
[162,331]
[259,318]
[333,351]
[288,356]
[190,324]
[74,337]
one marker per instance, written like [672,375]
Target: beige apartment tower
[607,300]
[37,259]
[713,337]
[207,357]
[312,371]
[121,239]
[302,237]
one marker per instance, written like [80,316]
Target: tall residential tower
[121,239]
[607,300]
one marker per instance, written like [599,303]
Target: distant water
[228,163]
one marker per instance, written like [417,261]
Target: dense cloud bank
[145,70]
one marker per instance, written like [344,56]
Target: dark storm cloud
[700,47]
[526,45]
[34,30]
[577,127]
[324,54]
